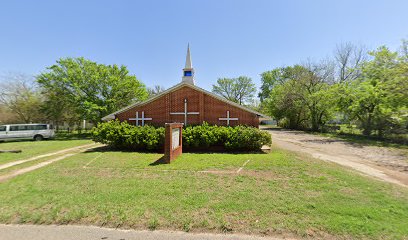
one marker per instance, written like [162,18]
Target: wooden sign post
[173,146]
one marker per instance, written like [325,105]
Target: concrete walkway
[72,232]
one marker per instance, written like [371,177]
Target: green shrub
[122,135]
[246,138]
[201,136]
[231,138]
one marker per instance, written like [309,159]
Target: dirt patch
[45,163]
[66,232]
[10,164]
[385,163]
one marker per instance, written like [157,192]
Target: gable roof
[174,88]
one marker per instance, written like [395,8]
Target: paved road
[387,164]
[70,232]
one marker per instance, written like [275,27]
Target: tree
[20,95]
[57,108]
[155,90]
[318,98]
[378,99]
[255,104]
[404,49]
[349,58]
[285,105]
[286,99]
[240,90]
[301,96]
[370,91]
[6,115]
[92,90]
[269,80]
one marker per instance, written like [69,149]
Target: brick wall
[210,110]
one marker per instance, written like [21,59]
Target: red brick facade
[203,106]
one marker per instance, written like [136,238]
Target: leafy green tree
[285,101]
[93,90]
[225,87]
[317,83]
[270,79]
[301,96]
[240,90]
[378,99]
[372,92]
[58,109]
[285,105]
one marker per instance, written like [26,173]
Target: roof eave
[175,87]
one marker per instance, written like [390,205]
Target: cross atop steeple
[188,71]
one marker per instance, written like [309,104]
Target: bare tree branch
[18,92]
[349,58]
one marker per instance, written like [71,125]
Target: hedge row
[122,135]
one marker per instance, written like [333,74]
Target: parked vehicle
[36,132]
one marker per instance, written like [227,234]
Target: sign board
[175,134]
[173,146]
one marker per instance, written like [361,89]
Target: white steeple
[189,64]
[188,71]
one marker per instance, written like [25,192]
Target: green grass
[75,135]
[355,137]
[275,193]
[27,164]
[364,140]
[33,148]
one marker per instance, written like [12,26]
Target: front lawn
[277,193]
[33,148]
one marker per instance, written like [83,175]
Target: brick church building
[188,104]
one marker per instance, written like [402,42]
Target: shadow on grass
[100,149]
[375,141]
[159,161]
[195,151]
[223,152]
[72,136]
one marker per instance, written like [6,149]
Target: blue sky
[227,38]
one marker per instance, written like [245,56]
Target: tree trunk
[315,122]
[367,128]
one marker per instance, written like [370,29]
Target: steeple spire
[189,64]
[188,71]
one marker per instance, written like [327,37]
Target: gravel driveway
[384,163]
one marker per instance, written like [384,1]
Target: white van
[37,132]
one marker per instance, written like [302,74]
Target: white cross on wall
[143,119]
[228,119]
[185,113]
